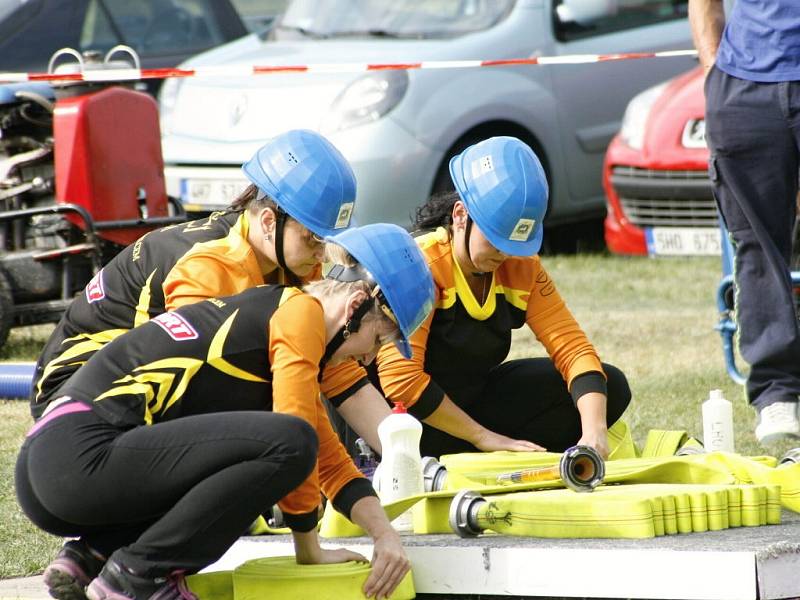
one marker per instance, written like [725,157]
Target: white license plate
[210,194]
[683,241]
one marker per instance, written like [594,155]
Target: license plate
[210,194]
[683,241]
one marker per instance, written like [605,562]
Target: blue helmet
[504,188]
[308,178]
[391,256]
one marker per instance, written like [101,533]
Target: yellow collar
[475,310]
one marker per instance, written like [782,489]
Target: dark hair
[249,198]
[437,211]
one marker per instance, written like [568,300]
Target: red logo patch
[94,289]
[178,328]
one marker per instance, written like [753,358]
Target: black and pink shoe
[116,582]
[71,571]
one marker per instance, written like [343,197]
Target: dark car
[162,32]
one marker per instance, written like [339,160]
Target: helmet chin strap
[280,230]
[290,277]
[353,324]
[467,232]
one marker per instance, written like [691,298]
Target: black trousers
[166,497]
[753,132]
[525,399]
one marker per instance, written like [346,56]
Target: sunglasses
[312,240]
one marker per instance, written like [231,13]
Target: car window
[258,15]
[391,18]
[9,6]
[574,19]
[24,10]
[151,27]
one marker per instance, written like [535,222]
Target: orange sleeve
[404,380]
[296,345]
[340,378]
[205,275]
[554,326]
[336,468]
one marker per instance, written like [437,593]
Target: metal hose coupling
[790,458]
[581,469]
[434,474]
[463,516]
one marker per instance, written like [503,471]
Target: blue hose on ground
[16,379]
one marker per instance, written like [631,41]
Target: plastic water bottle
[717,423]
[399,474]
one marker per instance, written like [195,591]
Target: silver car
[398,128]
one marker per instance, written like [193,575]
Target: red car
[655,176]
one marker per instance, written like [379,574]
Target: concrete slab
[23,588]
[745,563]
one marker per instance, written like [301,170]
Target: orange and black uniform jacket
[461,341]
[257,350]
[164,269]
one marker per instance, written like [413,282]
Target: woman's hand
[451,419]
[489,441]
[338,555]
[307,551]
[598,439]
[389,560]
[592,408]
[389,565]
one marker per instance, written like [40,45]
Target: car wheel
[442,182]
[6,308]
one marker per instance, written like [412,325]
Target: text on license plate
[211,194]
[683,241]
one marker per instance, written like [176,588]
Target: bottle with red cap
[400,471]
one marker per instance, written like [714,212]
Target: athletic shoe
[777,421]
[71,571]
[117,582]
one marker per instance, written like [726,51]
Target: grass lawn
[654,319]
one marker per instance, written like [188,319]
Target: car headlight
[365,100]
[694,134]
[167,99]
[636,114]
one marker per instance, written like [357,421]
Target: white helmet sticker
[343,218]
[481,166]
[522,230]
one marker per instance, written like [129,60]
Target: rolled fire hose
[281,578]
[581,469]
[16,379]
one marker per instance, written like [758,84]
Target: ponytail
[437,211]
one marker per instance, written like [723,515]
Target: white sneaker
[776,421]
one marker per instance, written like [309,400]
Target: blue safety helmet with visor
[389,257]
[504,187]
[308,178]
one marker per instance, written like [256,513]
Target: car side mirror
[583,12]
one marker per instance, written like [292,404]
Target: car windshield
[391,18]
[9,6]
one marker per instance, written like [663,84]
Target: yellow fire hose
[472,471]
[281,578]
[580,468]
[431,509]
[630,511]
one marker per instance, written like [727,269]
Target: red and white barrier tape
[246,70]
